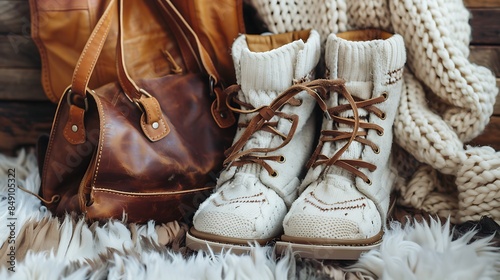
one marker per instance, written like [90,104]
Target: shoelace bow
[354,103]
[235,156]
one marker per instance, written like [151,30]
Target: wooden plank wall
[485,50]
[25,113]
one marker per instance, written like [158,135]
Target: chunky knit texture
[446,100]
[250,201]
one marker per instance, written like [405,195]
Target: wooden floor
[25,113]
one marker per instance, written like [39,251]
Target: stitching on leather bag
[146,109]
[144,127]
[69,135]
[101,43]
[49,149]
[159,112]
[130,194]
[102,129]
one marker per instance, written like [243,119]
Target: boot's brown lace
[351,165]
[235,156]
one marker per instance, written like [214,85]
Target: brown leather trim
[74,130]
[84,191]
[220,112]
[195,54]
[154,134]
[364,35]
[258,43]
[141,209]
[227,240]
[130,89]
[50,145]
[326,241]
[189,45]
[152,115]
[102,130]
[88,59]
[151,194]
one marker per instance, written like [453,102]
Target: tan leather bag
[148,148]
[61,28]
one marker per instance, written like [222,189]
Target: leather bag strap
[74,130]
[153,122]
[130,88]
[196,56]
[90,54]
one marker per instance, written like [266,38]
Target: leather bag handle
[76,94]
[152,122]
[90,54]
[185,36]
[193,52]
[189,45]
[196,59]
[196,56]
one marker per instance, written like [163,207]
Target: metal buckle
[69,99]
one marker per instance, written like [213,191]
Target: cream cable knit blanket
[446,100]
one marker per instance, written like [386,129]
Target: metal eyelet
[274,174]
[380,132]
[282,159]
[369,182]
[383,116]
[376,150]
[385,95]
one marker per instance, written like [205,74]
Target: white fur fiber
[422,251]
[427,251]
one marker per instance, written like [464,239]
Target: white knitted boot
[274,140]
[345,195]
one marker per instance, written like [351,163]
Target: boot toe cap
[227,225]
[244,221]
[329,228]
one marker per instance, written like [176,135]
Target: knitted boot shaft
[351,203]
[271,144]
[263,76]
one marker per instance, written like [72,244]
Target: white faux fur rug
[37,246]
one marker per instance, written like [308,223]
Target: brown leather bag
[148,148]
[61,28]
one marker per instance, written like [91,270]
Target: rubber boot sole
[327,249]
[197,240]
